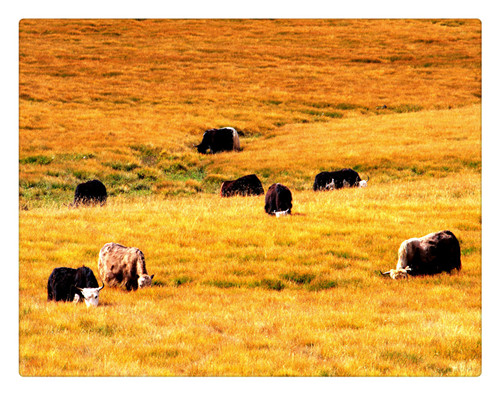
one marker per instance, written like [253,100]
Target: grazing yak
[396,274]
[89,193]
[75,285]
[327,180]
[244,186]
[434,253]
[278,200]
[121,266]
[216,140]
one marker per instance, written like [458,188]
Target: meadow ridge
[237,292]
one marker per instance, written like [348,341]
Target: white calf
[90,296]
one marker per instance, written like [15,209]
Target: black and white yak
[68,284]
[327,180]
[278,200]
[217,140]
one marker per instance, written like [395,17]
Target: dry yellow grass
[125,100]
[240,293]
[237,292]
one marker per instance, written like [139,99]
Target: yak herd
[125,267]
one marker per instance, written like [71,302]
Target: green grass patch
[271,284]
[63,74]
[273,102]
[81,174]
[298,278]
[178,281]
[365,60]
[321,285]
[405,108]
[179,172]
[74,157]
[36,160]
[402,357]
[222,284]
[24,96]
[329,114]
[112,74]
[343,254]
[469,251]
[147,174]
[121,166]
[148,154]
[161,354]
[473,164]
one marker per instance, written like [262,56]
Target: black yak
[244,186]
[69,284]
[89,193]
[327,180]
[278,200]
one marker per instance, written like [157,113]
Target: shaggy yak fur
[278,198]
[336,179]
[90,192]
[121,266]
[434,253]
[217,140]
[244,186]
[63,280]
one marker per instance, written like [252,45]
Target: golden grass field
[237,292]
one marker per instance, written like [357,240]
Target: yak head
[281,213]
[90,295]
[145,280]
[363,183]
[396,274]
[408,251]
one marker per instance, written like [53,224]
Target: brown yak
[121,266]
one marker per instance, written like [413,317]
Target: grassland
[238,293]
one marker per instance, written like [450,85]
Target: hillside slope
[124,100]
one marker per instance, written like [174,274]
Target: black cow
[327,180]
[217,140]
[244,186]
[278,200]
[89,193]
[64,283]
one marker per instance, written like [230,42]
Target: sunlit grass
[237,292]
[92,91]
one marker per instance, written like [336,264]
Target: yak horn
[386,272]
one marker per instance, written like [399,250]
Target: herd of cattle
[125,267]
